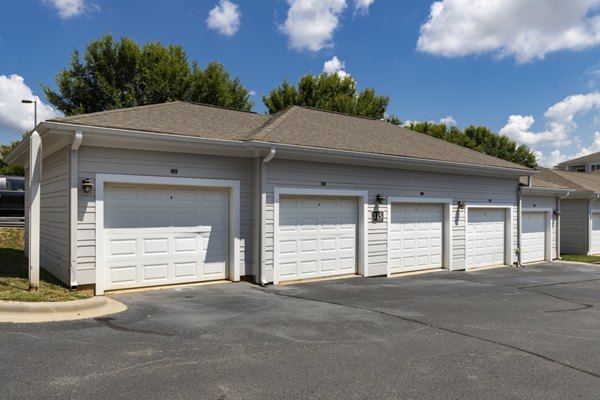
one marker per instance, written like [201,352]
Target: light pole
[34,110]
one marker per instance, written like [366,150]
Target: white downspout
[73,205]
[263,206]
[519,225]
[597,196]
[567,194]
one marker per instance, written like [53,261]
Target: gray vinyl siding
[97,160]
[54,215]
[574,225]
[530,201]
[394,183]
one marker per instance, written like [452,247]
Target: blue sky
[529,69]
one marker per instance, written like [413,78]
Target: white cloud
[560,123]
[335,66]
[448,121]
[72,8]
[557,156]
[527,30]
[310,23]
[362,6]
[252,93]
[224,18]
[15,116]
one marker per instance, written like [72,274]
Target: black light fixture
[381,198]
[87,185]
[461,205]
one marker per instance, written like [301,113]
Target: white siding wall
[27,212]
[393,183]
[93,160]
[54,221]
[574,224]
[530,201]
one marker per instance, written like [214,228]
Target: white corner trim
[363,212]
[446,230]
[547,229]
[234,215]
[508,230]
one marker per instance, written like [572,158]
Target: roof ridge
[126,109]
[581,158]
[275,120]
[87,115]
[196,103]
[340,113]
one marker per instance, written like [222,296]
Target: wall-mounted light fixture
[461,205]
[381,198]
[87,185]
[556,213]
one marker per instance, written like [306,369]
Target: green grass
[580,258]
[14,283]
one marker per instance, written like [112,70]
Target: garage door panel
[485,237]
[317,237]
[152,237]
[595,245]
[183,270]
[416,233]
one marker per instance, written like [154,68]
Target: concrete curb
[28,312]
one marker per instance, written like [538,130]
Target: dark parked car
[12,196]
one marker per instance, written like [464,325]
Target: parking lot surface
[502,333]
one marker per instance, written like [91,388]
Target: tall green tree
[114,74]
[6,169]
[479,138]
[329,92]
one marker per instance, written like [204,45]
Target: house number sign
[377,216]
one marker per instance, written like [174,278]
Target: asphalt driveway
[505,333]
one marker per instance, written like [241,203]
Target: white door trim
[548,229]
[363,212]
[446,230]
[508,230]
[234,214]
[591,213]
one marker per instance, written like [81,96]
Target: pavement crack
[445,329]
[108,322]
[582,306]
[557,283]
[236,318]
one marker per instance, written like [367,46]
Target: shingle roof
[553,178]
[583,159]
[298,126]
[316,128]
[179,118]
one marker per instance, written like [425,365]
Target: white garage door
[595,245]
[317,237]
[485,237]
[534,237]
[416,236]
[156,235]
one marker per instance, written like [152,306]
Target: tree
[6,169]
[329,92]
[479,138]
[116,74]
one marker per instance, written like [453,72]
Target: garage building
[181,192]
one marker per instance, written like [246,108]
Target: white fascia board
[545,191]
[390,161]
